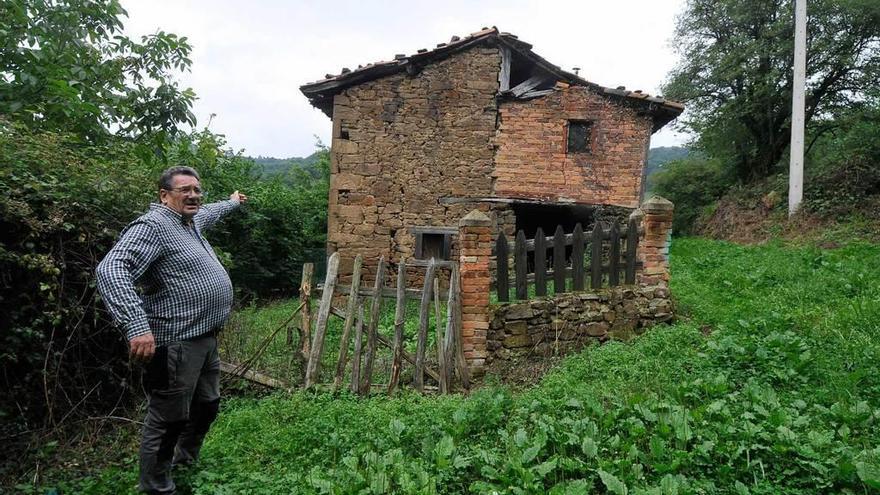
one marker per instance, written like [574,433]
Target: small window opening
[579,136]
[343,135]
[432,245]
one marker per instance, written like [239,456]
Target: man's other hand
[142,347]
[237,196]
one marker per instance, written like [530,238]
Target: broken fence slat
[424,309]
[373,328]
[438,337]
[358,349]
[345,339]
[252,376]
[399,321]
[502,277]
[317,350]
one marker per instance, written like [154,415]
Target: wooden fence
[367,335]
[575,257]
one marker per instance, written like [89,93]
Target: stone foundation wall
[567,322]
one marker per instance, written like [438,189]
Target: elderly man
[172,322]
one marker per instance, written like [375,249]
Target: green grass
[250,327]
[769,385]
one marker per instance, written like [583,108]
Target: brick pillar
[475,242]
[654,247]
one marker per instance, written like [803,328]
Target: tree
[64,66]
[735,74]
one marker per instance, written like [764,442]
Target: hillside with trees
[735,76]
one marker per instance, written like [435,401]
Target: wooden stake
[460,361]
[358,347]
[424,308]
[305,327]
[317,350]
[373,328]
[344,341]
[399,321]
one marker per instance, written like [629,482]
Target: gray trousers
[183,392]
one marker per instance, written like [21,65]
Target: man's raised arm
[211,213]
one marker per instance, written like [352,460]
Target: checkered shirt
[184,290]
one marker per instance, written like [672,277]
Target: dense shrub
[62,204]
[692,184]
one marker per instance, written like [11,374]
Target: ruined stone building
[480,122]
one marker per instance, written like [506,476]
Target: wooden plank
[373,328]
[519,250]
[632,242]
[317,350]
[528,85]
[350,309]
[540,263]
[577,258]
[438,334]
[305,326]
[424,308]
[389,292]
[399,321]
[502,278]
[596,257]
[559,261]
[252,376]
[614,262]
[356,358]
[504,73]
[461,366]
[444,360]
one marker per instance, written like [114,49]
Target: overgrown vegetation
[767,387]
[90,120]
[735,76]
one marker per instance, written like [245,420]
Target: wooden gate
[362,343]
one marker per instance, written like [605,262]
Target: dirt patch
[521,372]
[749,217]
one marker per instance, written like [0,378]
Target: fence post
[654,249]
[475,238]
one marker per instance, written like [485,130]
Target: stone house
[480,122]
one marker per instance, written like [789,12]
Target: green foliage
[289,167]
[70,69]
[844,173]
[692,184]
[660,156]
[769,389]
[735,73]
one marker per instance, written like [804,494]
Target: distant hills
[269,167]
[657,157]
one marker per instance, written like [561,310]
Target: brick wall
[532,160]
[400,143]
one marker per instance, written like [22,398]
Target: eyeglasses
[188,191]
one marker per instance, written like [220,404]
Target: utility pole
[796,164]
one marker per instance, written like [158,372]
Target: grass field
[769,384]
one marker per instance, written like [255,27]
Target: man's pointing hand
[237,196]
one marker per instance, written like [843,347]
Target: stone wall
[403,141]
[566,322]
[532,161]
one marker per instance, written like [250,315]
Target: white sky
[250,57]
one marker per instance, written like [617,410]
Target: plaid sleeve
[210,213]
[137,248]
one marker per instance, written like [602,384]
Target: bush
[62,205]
[692,184]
